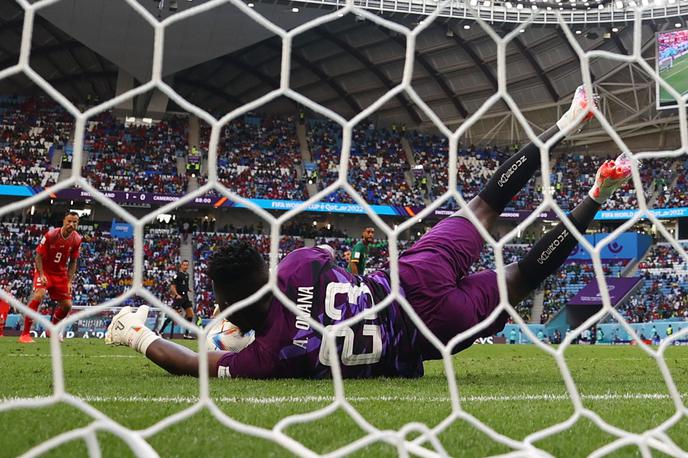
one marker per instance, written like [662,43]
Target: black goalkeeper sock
[513,174]
[551,251]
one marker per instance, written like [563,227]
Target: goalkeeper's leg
[449,308]
[513,175]
[552,250]
[454,244]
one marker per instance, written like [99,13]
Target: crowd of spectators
[260,157]
[311,231]
[475,166]
[664,291]
[30,129]
[674,191]
[561,286]
[571,177]
[106,269]
[377,163]
[136,157]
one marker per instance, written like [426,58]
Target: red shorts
[58,285]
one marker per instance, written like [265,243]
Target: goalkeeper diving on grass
[433,275]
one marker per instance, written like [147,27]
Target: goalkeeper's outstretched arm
[129,328]
[179,360]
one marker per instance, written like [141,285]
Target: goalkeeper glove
[129,328]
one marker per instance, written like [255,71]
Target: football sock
[168,320]
[513,174]
[59,314]
[190,320]
[551,251]
[33,305]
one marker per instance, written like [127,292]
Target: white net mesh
[426,441]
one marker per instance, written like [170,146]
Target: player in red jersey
[4,311]
[56,258]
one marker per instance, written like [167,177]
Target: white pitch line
[48,355]
[303,399]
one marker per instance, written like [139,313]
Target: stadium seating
[18,244]
[571,278]
[377,164]
[572,175]
[138,158]
[475,166]
[259,157]
[674,191]
[29,131]
[664,292]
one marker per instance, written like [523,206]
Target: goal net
[414,438]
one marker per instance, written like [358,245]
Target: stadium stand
[30,129]
[254,146]
[259,157]
[139,158]
[664,292]
[674,190]
[476,165]
[377,163]
[563,285]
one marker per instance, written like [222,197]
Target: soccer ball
[224,336]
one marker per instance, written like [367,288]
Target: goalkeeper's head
[238,270]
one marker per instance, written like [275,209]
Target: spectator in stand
[260,157]
[135,157]
[377,163]
[30,130]
[664,292]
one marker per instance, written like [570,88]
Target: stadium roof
[221,59]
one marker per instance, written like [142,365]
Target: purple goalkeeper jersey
[382,344]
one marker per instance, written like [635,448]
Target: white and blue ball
[224,336]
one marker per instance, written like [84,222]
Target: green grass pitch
[676,77]
[515,389]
